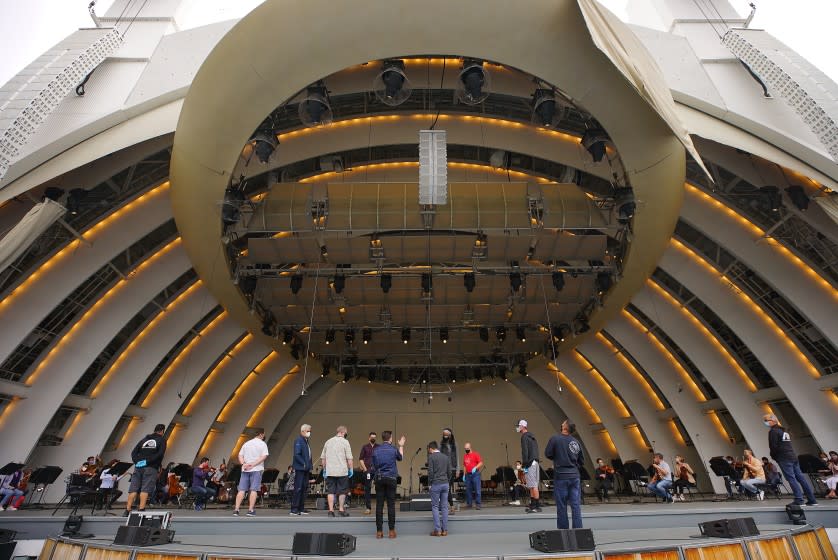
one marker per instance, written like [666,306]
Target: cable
[134,18]
[550,333]
[441,82]
[310,328]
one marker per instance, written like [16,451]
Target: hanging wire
[134,18]
[441,82]
[550,333]
[310,329]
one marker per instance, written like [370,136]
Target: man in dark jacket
[779,444]
[566,453]
[384,459]
[448,447]
[302,470]
[530,466]
[438,476]
[147,457]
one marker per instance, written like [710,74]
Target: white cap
[522,423]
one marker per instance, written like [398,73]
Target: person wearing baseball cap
[529,464]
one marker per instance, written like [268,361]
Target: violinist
[753,474]
[685,477]
[519,489]
[109,486]
[199,488]
[10,490]
[604,475]
[730,481]
[831,480]
[662,479]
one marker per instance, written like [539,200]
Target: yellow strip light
[266,363]
[750,303]
[196,396]
[638,377]
[256,417]
[140,337]
[182,355]
[577,394]
[606,387]
[676,433]
[685,313]
[637,436]
[91,234]
[685,376]
[481,168]
[609,443]
[718,423]
[813,275]
[82,323]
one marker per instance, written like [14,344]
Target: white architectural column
[780,356]
[43,289]
[721,370]
[683,396]
[112,394]
[810,293]
[60,368]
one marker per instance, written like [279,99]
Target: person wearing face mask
[252,457]
[831,480]
[566,453]
[302,467]
[365,462]
[472,465]
[448,447]
[529,460]
[782,451]
[605,477]
[336,459]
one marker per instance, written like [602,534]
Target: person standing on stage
[782,451]
[252,457]
[438,469]
[336,459]
[384,459]
[365,462]
[472,465]
[301,466]
[448,447]
[566,453]
[530,466]
[147,457]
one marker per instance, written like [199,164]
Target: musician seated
[199,489]
[9,490]
[753,475]
[685,477]
[216,481]
[831,471]
[732,481]
[91,467]
[109,486]
[661,481]
[604,475]
[519,488]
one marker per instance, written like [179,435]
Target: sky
[29,27]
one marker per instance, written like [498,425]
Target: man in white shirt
[252,457]
[336,459]
[662,479]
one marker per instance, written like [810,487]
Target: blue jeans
[202,494]
[298,498]
[567,492]
[439,506]
[472,488]
[791,470]
[660,488]
[9,495]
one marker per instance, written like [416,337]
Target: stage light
[75,199]
[296,283]
[478,375]
[624,204]
[427,282]
[582,325]
[295,351]
[391,85]
[796,514]
[484,334]
[268,325]
[443,335]
[349,336]
[397,377]
[52,193]
[515,281]
[522,368]
[330,336]
[544,107]
[366,335]
[315,109]
[603,282]
[371,376]
[500,333]
[325,372]
[265,143]
[287,336]
[769,195]
[406,335]
[594,141]
[503,375]
[469,281]
[558,280]
[339,283]
[798,197]
[386,282]
[473,86]
[230,208]
[247,284]
[347,375]
[521,333]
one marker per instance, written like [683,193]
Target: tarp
[33,224]
[630,57]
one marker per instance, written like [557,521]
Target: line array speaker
[729,528]
[563,540]
[323,544]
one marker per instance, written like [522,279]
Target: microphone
[418,450]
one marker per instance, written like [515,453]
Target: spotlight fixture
[287,336]
[503,375]
[474,83]
[230,208]
[349,336]
[443,335]
[582,325]
[325,372]
[339,283]
[594,141]
[798,197]
[560,332]
[558,280]
[397,377]
[427,282]
[52,193]
[603,282]
[347,375]
[296,283]
[769,195]
[515,281]
[75,200]
[521,333]
[314,109]
[484,334]
[366,335]
[478,375]
[247,285]
[522,368]
[269,325]
[264,143]
[386,282]
[469,281]
[330,336]
[500,333]
[391,85]
[371,376]
[406,335]
[295,351]
[624,204]
[796,514]
[544,107]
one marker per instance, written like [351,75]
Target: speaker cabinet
[321,503]
[563,540]
[420,502]
[323,544]
[7,549]
[729,528]
[130,535]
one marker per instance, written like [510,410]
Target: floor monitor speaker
[321,503]
[729,528]
[563,540]
[131,535]
[7,549]
[323,544]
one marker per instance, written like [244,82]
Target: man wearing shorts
[336,459]
[252,457]
[147,456]
[530,466]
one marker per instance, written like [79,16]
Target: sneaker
[304,512]
[528,509]
[477,506]
[367,511]
[331,514]
[235,513]
[2,508]
[515,503]
[294,513]
[810,504]
[251,513]
[343,513]
[761,495]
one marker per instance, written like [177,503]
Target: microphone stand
[503,475]
[410,484]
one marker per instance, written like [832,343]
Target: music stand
[43,476]
[269,477]
[117,470]
[722,468]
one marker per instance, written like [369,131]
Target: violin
[24,481]
[175,489]
[522,478]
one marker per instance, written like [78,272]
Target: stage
[493,532]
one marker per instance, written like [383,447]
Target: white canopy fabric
[829,204]
[33,224]
[630,57]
